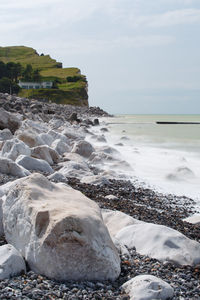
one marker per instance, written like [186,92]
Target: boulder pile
[56,230]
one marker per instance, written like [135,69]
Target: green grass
[67,93]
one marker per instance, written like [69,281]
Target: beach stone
[10,167]
[95,180]
[115,220]
[57,177]
[73,134]
[1,218]
[111,197]
[46,153]
[160,242]
[195,219]
[5,134]
[11,262]
[148,287]
[83,148]
[30,138]
[9,120]
[75,169]
[60,146]
[46,138]
[13,148]
[59,231]
[75,157]
[56,135]
[34,164]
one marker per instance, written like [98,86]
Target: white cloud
[170,18]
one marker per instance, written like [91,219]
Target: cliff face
[71,85]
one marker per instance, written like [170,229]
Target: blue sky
[139,56]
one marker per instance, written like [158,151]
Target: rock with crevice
[148,287]
[59,231]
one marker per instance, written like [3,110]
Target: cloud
[170,18]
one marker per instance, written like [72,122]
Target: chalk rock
[10,167]
[95,180]
[11,262]
[160,242]
[116,220]
[195,219]
[57,177]
[1,218]
[59,231]
[148,287]
[56,135]
[13,148]
[5,134]
[8,120]
[75,157]
[46,153]
[30,138]
[34,164]
[60,146]
[83,148]
[46,138]
[74,169]
[73,133]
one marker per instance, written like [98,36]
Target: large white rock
[195,219]
[46,138]
[9,167]
[83,148]
[13,148]
[11,262]
[74,169]
[116,220]
[8,120]
[59,231]
[73,133]
[95,179]
[148,287]
[160,242]
[30,138]
[46,153]
[60,146]
[5,134]
[34,164]
[56,135]
[1,218]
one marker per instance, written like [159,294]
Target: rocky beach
[71,229]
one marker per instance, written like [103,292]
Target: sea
[163,157]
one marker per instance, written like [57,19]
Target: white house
[36,85]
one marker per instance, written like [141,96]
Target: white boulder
[34,164]
[59,231]
[13,148]
[46,153]
[195,219]
[60,146]
[11,262]
[160,242]
[30,138]
[56,135]
[148,287]
[5,134]
[83,148]
[9,167]
[115,220]
[9,120]
[95,179]
[74,169]
[46,138]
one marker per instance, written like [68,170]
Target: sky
[139,56]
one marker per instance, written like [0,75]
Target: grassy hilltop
[67,92]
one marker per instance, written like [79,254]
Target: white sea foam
[163,157]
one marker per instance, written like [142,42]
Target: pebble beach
[140,203]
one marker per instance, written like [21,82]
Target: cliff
[71,85]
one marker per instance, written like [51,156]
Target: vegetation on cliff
[70,86]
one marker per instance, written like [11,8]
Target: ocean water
[165,158]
